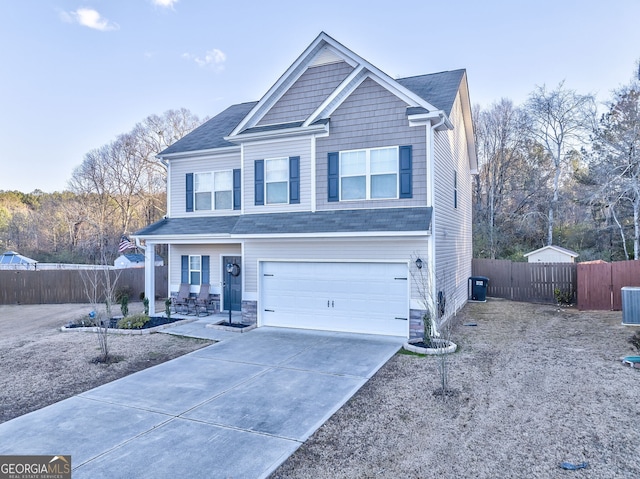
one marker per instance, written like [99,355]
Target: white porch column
[150,276]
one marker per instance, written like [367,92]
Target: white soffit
[328,55]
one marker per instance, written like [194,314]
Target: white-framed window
[369,174]
[223,190]
[202,187]
[213,190]
[195,269]
[276,180]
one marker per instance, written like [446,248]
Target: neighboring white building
[13,260]
[134,260]
[551,254]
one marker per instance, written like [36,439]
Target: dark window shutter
[189,191]
[259,182]
[236,189]
[294,180]
[406,172]
[455,189]
[333,176]
[184,277]
[205,270]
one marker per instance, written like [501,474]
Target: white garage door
[354,297]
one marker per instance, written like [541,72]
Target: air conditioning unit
[631,305]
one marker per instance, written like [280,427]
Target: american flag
[125,244]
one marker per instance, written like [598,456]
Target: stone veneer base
[232,329]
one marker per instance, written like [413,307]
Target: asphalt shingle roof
[211,133]
[439,89]
[214,225]
[331,221]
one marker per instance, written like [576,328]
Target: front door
[232,284]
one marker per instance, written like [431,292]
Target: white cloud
[165,3]
[213,58]
[88,17]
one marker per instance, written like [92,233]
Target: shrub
[167,307]
[563,297]
[135,321]
[145,302]
[124,304]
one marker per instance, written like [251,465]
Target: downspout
[165,163]
[432,194]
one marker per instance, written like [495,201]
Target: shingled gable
[440,88]
[362,70]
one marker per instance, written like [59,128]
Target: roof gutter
[428,118]
[183,154]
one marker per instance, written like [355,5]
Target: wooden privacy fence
[66,286]
[530,282]
[600,284]
[595,286]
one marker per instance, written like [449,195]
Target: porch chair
[201,303]
[180,302]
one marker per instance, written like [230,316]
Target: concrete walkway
[236,409]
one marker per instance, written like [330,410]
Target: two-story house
[325,194]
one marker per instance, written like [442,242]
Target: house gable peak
[324,50]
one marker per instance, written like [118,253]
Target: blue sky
[75,74]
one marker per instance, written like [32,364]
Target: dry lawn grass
[537,385]
[40,365]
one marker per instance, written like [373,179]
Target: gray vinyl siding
[215,268]
[372,117]
[342,249]
[277,149]
[452,226]
[307,93]
[177,178]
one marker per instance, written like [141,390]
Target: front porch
[199,282]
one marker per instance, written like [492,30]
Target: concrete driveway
[236,409]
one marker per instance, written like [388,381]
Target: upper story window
[369,174]
[276,180]
[213,191]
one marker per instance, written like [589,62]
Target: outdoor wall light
[419,263]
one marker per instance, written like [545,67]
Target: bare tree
[121,183]
[616,159]
[560,121]
[154,134]
[100,288]
[437,326]
[501,140]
